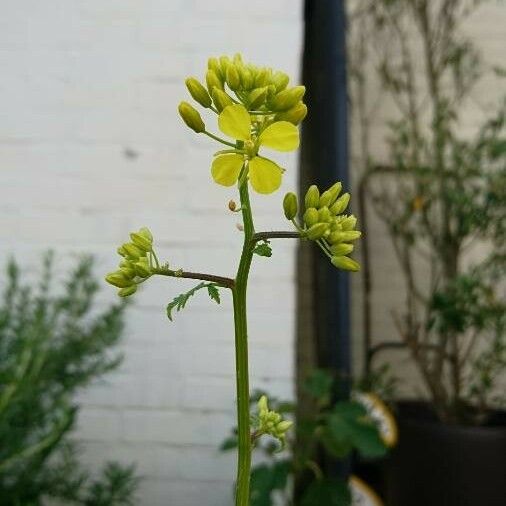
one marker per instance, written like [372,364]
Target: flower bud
[221,99]
[118,279]
[132,250]
[349,223]
[340,204]
[262,78]
[317,231]
[329,196]
[310,217]
[257,98]
[312,198]
[341,249]
[294,115]
[213,81]
[141,242]
[191,117]
[286,99]
[198,92]
[214,65]
[283,426]
[142,268]
[324,215]
[232,77]
[128,272]
[351,235]
[121,251]
[247,78]
[145,232]
[345,263]
[128,290]
[280,81]
[290,205]
[263,407]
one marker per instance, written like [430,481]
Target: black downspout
[324,160]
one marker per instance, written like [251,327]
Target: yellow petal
[226,169]
[282,136]
[264,175]
[235,122]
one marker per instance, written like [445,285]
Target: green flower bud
[237,58]
[345,263]
[129,290]
[214,65]
[290,205]
[310,217]
[257,98]
[317,231]
[121,251]
[283,426]
[118,279]
[324,215]
[329,196]
[232,77]
[286,99]
[145,232]
[351,235]
[142,268]
[280,81]
[225,61]
[128,272]
[133,251]
[247,78]
[213,81]
[294,115]
[141,242]
[341,249]
[312,198]
[340,204]
[221,99]
[263,77]
[349,223]
[191,117]
[198,92]
[263,406]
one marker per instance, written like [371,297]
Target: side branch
[263,236]
[219,280]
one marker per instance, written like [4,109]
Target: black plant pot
[441,465]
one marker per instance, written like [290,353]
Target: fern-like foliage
[179,302]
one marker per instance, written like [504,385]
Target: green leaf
[319,384]
[263,249]
[229,444]
[265,479]
[328,492]
[179,302]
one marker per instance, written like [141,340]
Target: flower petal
[264,175]
[282,136]
[235,122]
[226,169]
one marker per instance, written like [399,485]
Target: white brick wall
[91,147]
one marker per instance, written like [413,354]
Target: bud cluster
[230,81]
[270,422]
[323,221]
[138,261]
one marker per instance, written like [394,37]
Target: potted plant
[442,197]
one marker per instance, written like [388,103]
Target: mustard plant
[255,108]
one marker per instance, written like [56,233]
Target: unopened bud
[128,272]
[294,115]
[351,235]
[317,231]
[247,78]
[290,205]
[324,215]
[340,204]
[129,290]
[141,242]
[310,217]
[329,196]
[221,99]
[280,81]
[142,268]
[132,250]
[214,65]
[224,63]
[213,81]
[145,232]
[286,99]
[191,117]
[257,98]
[283,426]
[341,249]
[349,223]
[312,198]
[345,263]
[198,92]
[121,251]
[118,279]
[232,77]
[262,78]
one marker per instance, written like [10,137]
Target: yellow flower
[264,174]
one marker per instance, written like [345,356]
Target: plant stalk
[241,352]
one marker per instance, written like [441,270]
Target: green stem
[241,352]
